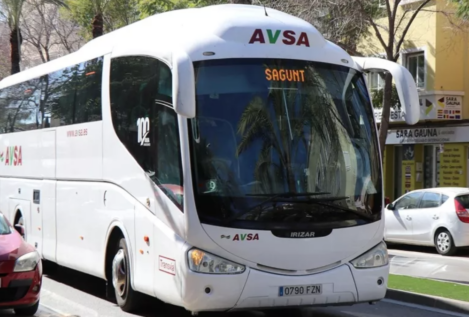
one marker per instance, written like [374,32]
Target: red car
[20,271]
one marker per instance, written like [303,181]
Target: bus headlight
[27,262]
[203,262]
[377,256]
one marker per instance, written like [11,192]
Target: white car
[430,217]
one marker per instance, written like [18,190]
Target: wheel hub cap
[443,241]
[119,272]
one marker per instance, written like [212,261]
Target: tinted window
[409,201]
[68,96]
[4,228]
[463,200]
[444,198]
[74,94]
[267,127]
[430,200]
[145,122]
[20,107]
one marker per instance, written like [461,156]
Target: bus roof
[225,30]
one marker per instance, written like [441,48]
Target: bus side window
[141,98]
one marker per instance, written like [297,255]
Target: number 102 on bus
[299,290]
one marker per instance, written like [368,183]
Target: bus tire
[126,297]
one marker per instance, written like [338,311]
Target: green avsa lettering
[273,37]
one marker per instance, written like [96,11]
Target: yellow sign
[452,166]
[408,173]
[285,74]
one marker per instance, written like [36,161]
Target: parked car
[430,217]
[20,271]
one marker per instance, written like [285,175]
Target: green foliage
[377,98]
[116,13]
[462,10]
[151,7]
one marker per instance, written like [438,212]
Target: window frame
[420,206]
[162,105]
[415,53]
[407,195]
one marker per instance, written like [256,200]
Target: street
[69,293]
[427,263]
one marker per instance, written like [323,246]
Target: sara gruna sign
[428,135]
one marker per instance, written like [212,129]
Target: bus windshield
[279,143]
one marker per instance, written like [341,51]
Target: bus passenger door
[145,250]
[44,204]
[36,221]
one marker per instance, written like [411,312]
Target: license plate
[299,290]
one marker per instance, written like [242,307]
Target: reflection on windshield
[267,127]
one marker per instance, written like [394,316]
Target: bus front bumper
[258,290]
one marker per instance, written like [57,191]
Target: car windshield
[4,227]
[281,142]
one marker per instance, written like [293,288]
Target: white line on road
[62,314]
[80,309]
[430,309]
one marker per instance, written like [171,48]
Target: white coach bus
[219,158]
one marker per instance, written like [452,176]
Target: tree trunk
[15,57]
[383,130]
[241,1]
[97,25]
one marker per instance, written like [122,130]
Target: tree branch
[401,19]
[373,24]
[407,27]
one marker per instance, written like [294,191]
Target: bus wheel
[126,297]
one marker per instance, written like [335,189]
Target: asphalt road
[69,293]
[427,263]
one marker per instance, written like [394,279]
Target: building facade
[434,152]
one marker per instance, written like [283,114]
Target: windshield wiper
[356,212]
[318,201]
[289,194]
[273,197]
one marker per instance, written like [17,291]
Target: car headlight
[203,262]
[377,256]
[27,262]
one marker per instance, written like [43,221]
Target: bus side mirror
[183,84]
[405,84]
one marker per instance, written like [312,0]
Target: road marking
[83,310]
[62,314]
[430,309]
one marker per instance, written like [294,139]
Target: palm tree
[12,10]
[99,7]
[283,129]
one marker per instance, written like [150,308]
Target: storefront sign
[395,115]
[428,135]
[434,107]
[408,165]
[452,166]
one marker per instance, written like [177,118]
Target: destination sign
[294,75]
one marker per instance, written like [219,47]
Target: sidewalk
[451,305]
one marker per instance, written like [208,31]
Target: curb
[451,305]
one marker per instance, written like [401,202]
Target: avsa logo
[13,156]
[245,237]
[287,37]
